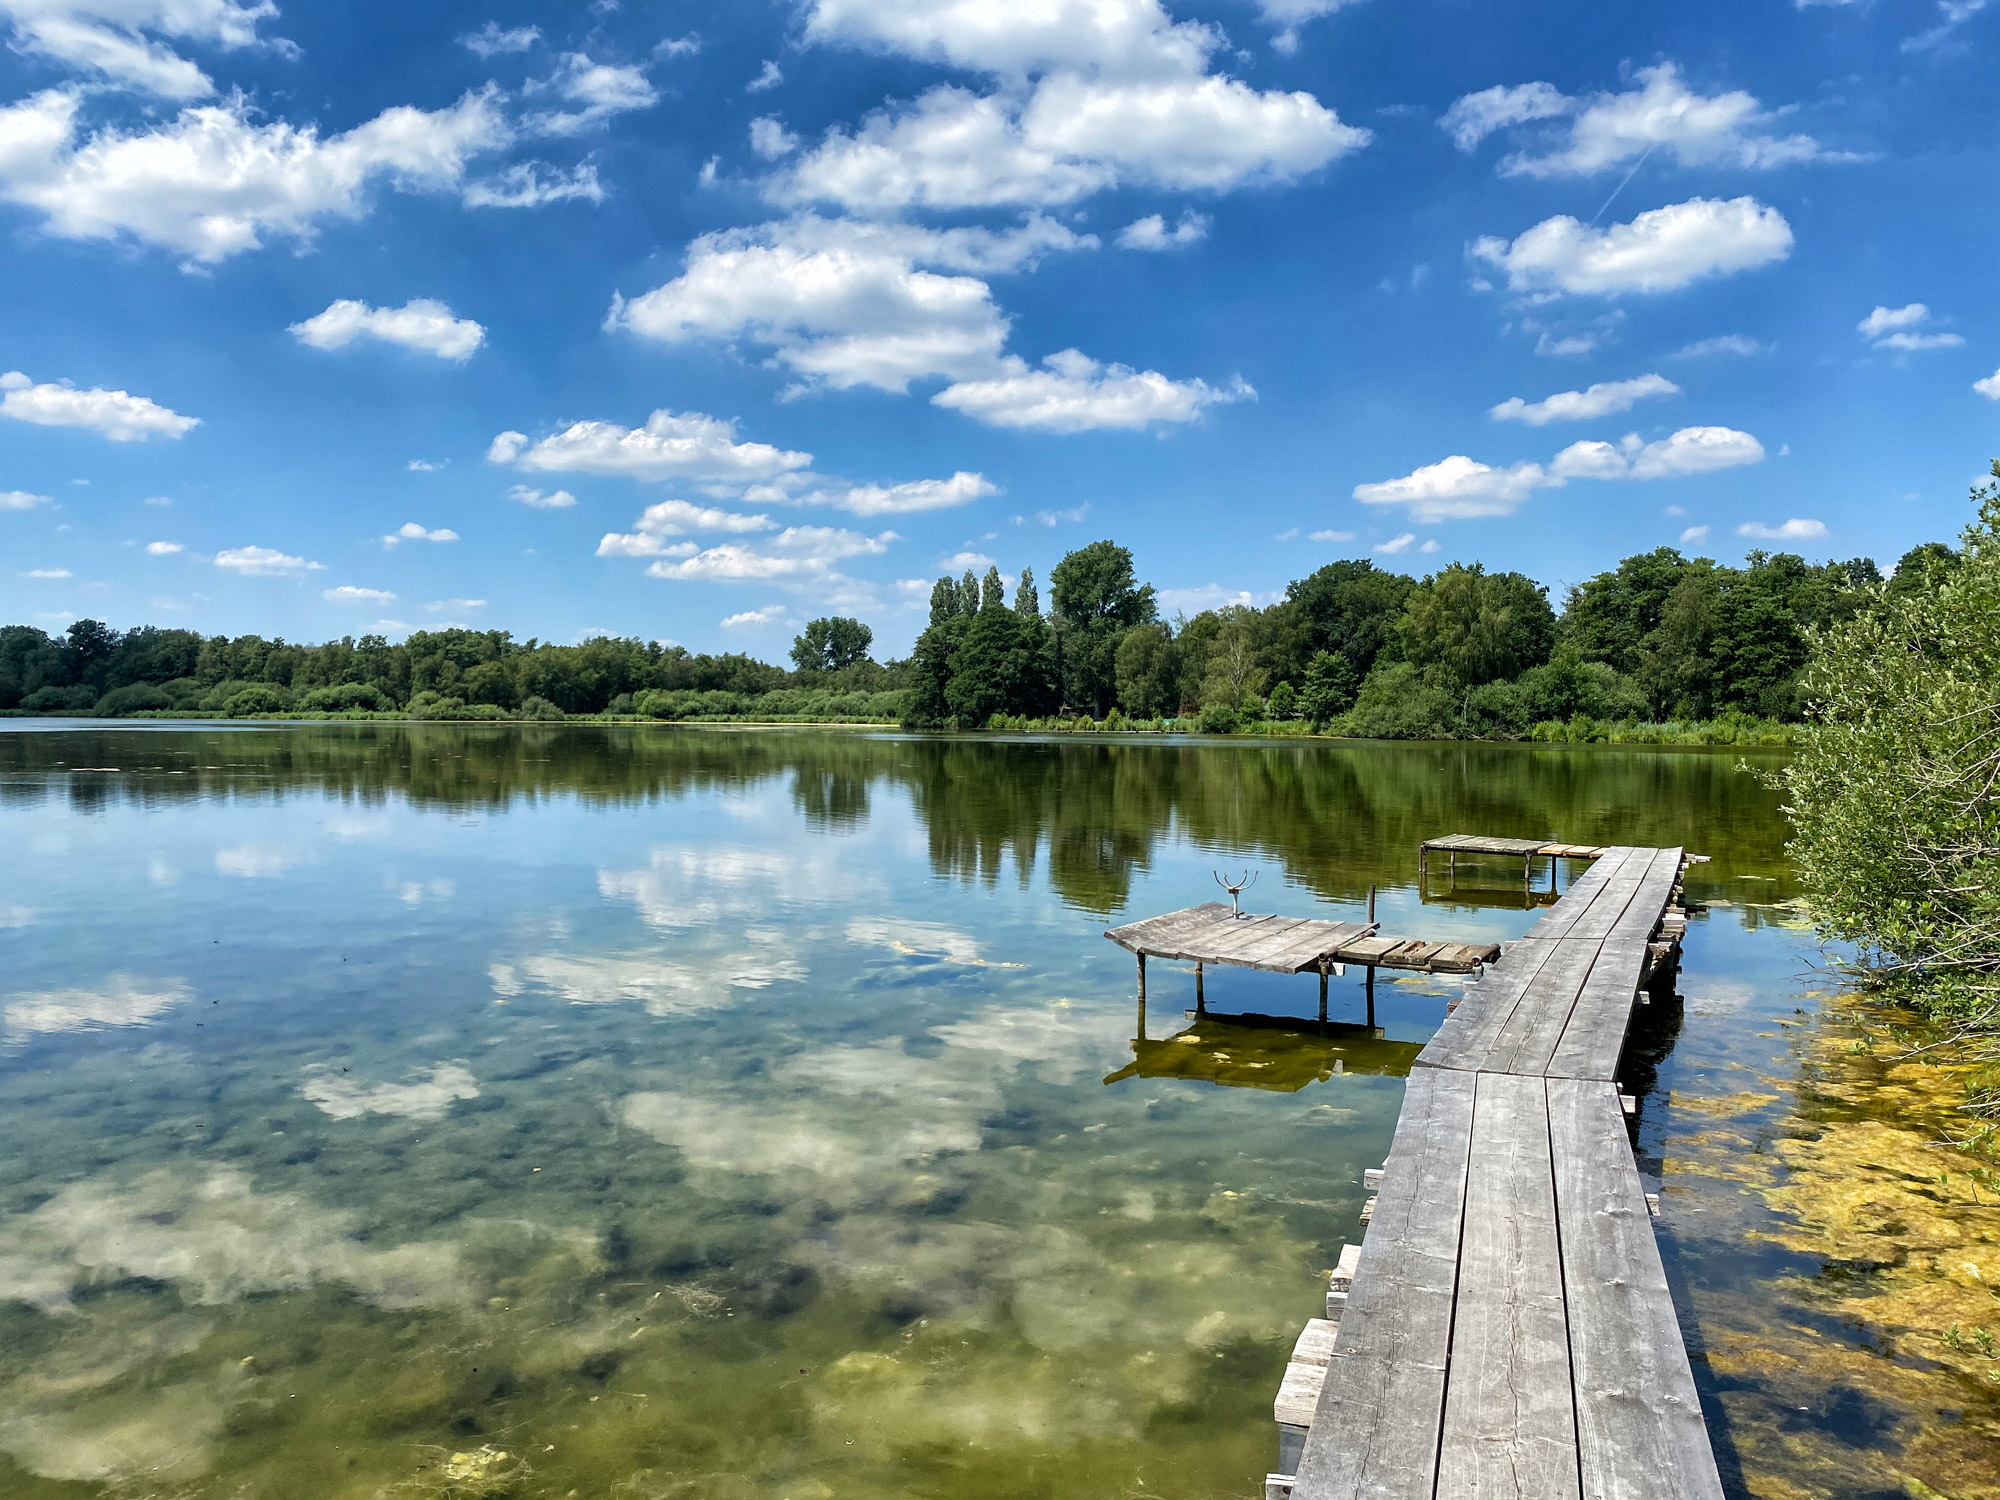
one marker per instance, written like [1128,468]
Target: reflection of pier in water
[1281,1054]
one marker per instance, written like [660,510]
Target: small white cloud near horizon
[437,606]
[1897,328]
[538,500]
[1151,232]
[1661,250]
[410,531]
[911,496]
[749,619]
[1602,400]
[423,324]
[677,518]
[1795,530]
[1691,450]
[425,466]
[1396,545]
[22,500]
[1694,534]
[47,573]
[349,593]
[164,549]
[1332,536]
[263,562]
[117,415]
[1458,488]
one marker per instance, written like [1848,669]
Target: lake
[642,1111]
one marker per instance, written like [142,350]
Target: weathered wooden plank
[1468,1034]
[1274,939]
[1594,1037]
[1474,843]
[1530,1037]
[1308,946]
[1640,1434]
[1557,921]
[1509,1425]
[1375,1433]
[1137,935]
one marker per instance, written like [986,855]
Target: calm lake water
[645,1112]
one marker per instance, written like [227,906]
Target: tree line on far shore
[1367,652]
[1351,648]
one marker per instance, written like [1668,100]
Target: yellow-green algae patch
[1892,1352]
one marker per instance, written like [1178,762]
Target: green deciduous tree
[1474,626]
[1893,793]
[1096,597]
[832,643]
[1331,682]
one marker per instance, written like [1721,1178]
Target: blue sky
[693,323]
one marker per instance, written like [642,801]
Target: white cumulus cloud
[118,415]
[962,488]
[676,518]
[1901,329]
[349,593]
[1728,343]
[1989,388]
[750,619]
[1458,488]
[120,39]
[531,184]
[770,140]
[797,551]
[689,446]
[596,91]
[1692,450]
[423,323]
[1795,530]
[1074,393]
[262,562]
[216,181]
[491,40]
[1694,535]
[163,549]
[21,500]
[1662,250]
[1612,130]
[1601,400]
[1151,232]
[411,531]
[539,499]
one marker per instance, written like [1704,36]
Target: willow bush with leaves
[1893,793]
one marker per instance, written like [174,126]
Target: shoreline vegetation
[1662,649]
[1894,798]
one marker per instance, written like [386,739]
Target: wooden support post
[1528,872]
[1199,999]
[1371,904]
[1423,865]
[1142,1018]
[1142,979]
[1322,991]
[1371,997]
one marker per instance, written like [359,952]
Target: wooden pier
[1505,1328]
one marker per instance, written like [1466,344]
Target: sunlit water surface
[601,1112]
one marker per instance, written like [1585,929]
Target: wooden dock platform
[1212,934]
[1506,1328]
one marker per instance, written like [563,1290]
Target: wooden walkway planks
[1510,1420]
[1213,934]
[1640,1434]
[1511,1209]
[1384,1390]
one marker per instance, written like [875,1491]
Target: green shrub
[1217,718]
[539,708]
[258,698]
[346,697]
[59,700]
[134,697]
[1397,702]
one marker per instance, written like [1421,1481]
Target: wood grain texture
[1375,1433]
[1640,1434]
[1509,1424]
